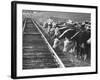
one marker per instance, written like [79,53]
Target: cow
[83,41]
[60,29]
[73,37]
[48,24]
[45,24]
[49,21]
[66,35]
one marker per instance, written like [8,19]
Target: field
[42,16]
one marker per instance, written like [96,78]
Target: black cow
[83,47]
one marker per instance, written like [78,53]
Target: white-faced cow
[66,35]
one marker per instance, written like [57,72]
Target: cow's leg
[52,33]
[78,48]
[55,44]
[56,31]
[83,52]
[85,57]
[65,45]
[86,50]
[48,29]
[73,47]
[44,25]
[75,50]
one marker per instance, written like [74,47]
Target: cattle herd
[75,36]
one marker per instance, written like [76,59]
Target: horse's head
[56,42]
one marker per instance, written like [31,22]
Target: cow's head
[45,25]
[56,32]
[89,41]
